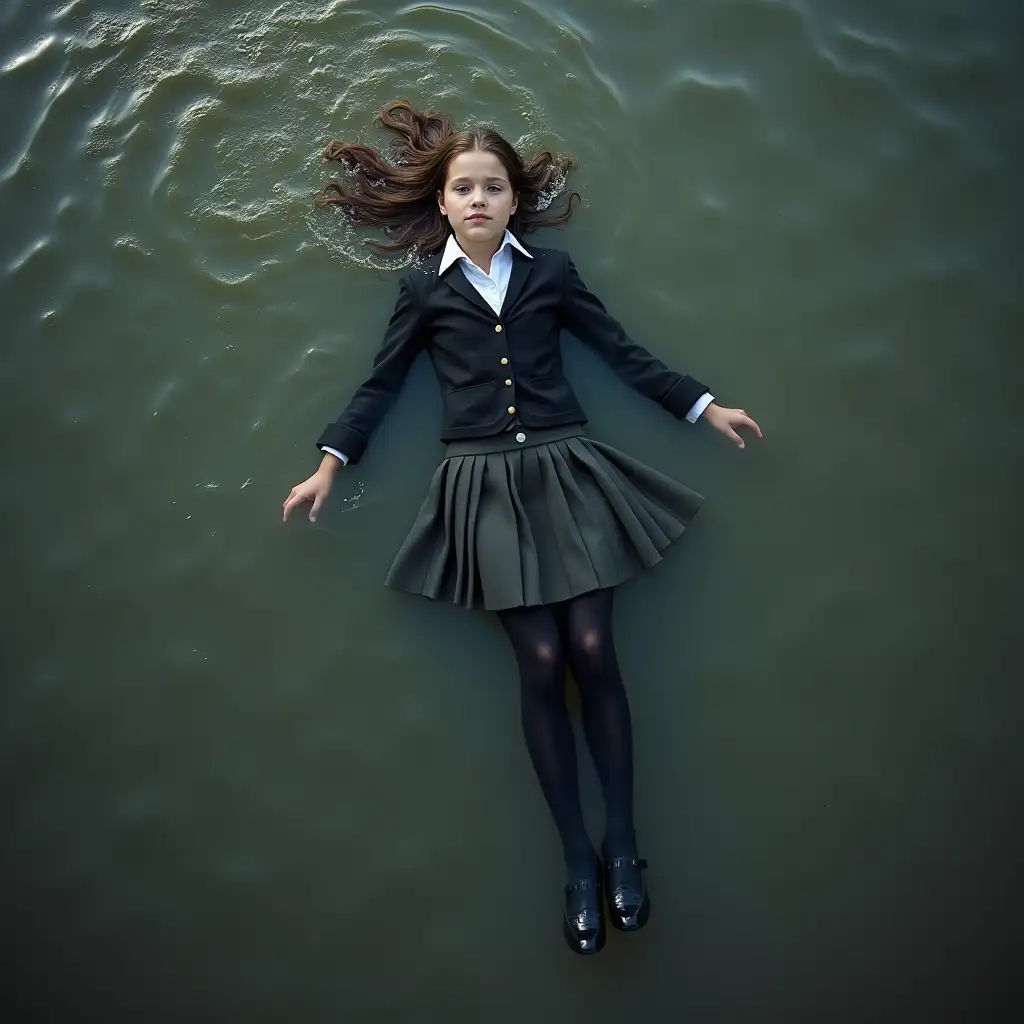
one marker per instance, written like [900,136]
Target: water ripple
[54,94]
[870,40]
[29,55]
[106,32]
[67,9]
[453,14]
[19,262]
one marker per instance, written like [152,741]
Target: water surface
[249,783]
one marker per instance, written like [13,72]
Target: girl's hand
[727,420]
[315,489]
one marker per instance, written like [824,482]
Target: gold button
[504,360]
[511,409]
[497,328]
[508,382]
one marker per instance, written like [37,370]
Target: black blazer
[499,370]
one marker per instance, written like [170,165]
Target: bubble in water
[547,196]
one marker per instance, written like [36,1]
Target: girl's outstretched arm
[584,314]
[351,431]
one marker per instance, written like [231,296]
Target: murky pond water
[241,769]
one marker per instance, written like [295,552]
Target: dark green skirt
[508,523]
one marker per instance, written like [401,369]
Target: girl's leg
[535,636]
[606,721]
[590,651]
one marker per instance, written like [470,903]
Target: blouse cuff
[696,409]
[344,458]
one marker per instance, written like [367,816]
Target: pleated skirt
[509,523]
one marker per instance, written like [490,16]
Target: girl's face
[477,199]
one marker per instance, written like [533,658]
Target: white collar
[453,251]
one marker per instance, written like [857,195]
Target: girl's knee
[543,666]
[545,654]
[589,643]
[591,656]
[589,647]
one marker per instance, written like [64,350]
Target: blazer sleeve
[585,316]
[351,431]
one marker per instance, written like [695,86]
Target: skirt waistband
[511,440]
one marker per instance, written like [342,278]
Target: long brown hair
[400,195]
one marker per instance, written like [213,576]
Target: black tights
[577,633]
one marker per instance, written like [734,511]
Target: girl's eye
[461,189]
[496,188]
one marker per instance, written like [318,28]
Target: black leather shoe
[629,905]
[583,924]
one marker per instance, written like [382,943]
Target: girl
[525,515]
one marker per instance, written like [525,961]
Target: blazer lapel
[520,272]
[457,280]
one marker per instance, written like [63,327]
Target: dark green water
[238,769]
